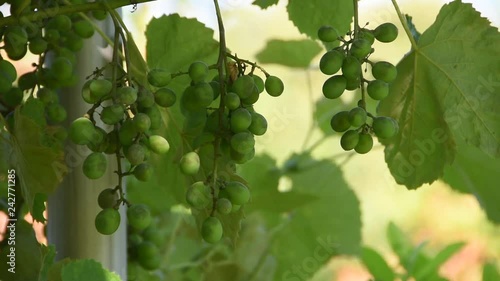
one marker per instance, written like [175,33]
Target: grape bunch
[354,51]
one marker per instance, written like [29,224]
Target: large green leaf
[376,264]
[475,172]
[87,269]
[264,4]
[309,16]
[292,53]
[439,96]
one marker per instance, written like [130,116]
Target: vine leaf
[376,264]
[474,172]
[444,92]
[309,16]
[264,4]
[138,67]
[413,28]
[87,269]
[292,53]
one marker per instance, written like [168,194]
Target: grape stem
[402,19]
[356,18]
[253,64]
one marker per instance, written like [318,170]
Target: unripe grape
[15,36]
[143,172]
[386,32]
[190,163]
[5,84]
[99,14]
[100,88]
[158,144]
[367,35]
[63,68]
[12,97]
[340,121]
[385,127]
[95,165]
[377,89]
[127,133]
[203,95]
[331,62]
[107,198]
[155,117]
[259,83]
[253,98]
[274,86]
[8,71]
[107,221]
[126,95]
[198,195]
[83,29]
[27,81]
[360,48]
[216,88]
[82,131]
[243,142]
[15,52]
[240,120]
[56,112]
[241,158]
[59,22]
[159,77]
[357,116]
[351,67]
[145,98]
[37,46]
[334,86]
[349,140]
[211,230]
[258,126]
[139,216]
[244,86]
[73,42]
[112,114]
[353,83]
[232,101]
[237,192]
[148,255]
[135,154]
[87,97]
[198,71]
[224,206]
[328,34]
[142,122]
[165,97]
[384,71]
[365,143]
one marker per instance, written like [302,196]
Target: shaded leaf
[296,53]
[264,4]
[433,265]
[413,28]
[87,269]
[490,272]
[376,264]
[48,255]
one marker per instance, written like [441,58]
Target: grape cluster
[354,51]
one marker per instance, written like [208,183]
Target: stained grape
[211,230]
[190,163]
[139,216]
[95,165]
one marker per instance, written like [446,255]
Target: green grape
[12,97]
[274,86]
[253,98]
[235,208]
[159,77]
[126,95]
[27,81]
[331,62]
[386,32]
[60,133]
[237,192]
[203,94]
[334,87]
[244,86]
[349,140]
[59,22]
[87,97]
[158,144]
[259,83]
[112,114]
[56,112]
[107,221]
[151,234]
[224,206]
[5,84]
[241,158]
[202,139]
[365,143]
[148,255]
[52,36]
[142,122]
[351,67]
[100,88]
[165,97]
[353,83]
[194,122]
[139,216]
[107,198]
[384,71]
[95,165]
[211,230]
[67,53]
[38,46]
[99,14]
[216,88]
[340,121]
[198,71]
[198,195]
[143,172]
[99,142]
[385,127]
[133,270]
[213,122]
[377,89]
[232,101]
[82,131]
[357,117]
[112,142]
[73,42]
[155,117]
[18,7]
[83,28]
[258,126]
[15,36]
[367,35]
[240,120]
[135,154]
[242,142]
[328,34]
[64,69]
[15,52]
[190,163]
[8,71]
[360,48]
[127,133]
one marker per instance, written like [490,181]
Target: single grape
[385,127]
[143,172]
[15,36]
[351,67]
[367,35]
[232,101]
[384,71]
[15,52]
[353,83]
[244,86]
[148,255]
[237,192]
[198,195]
[59,22]
[158,144]
[334,86]
[5,85]
[198,71]
[99,141]
[253,98]
[87,97]
[165,97]
[139,216]
[155,117]
[349,140]
[83,29]
[258,126]
[38,46]
[112,114]
[360,48]
[159,77]
[100,88]
[27,81]
[107,221]
[56,112]
[73,42]
[211,230]
[224,206]
[99,14]
[340,121]
[240,120]
[377,89]
[190,163]
[135,154]
[95,165]
[243,142]
[8,71]
[107,198]
[215,87]
[153,235]
[357,117]
[12,97]
[127,133]
[274,86]
[365,143]
[241,158]
[259,83]
[82,131]
[386,32]
[331,62]
[142,122]
[203,94]
[126,95]
[328,34]
[145,98]
[63,68]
